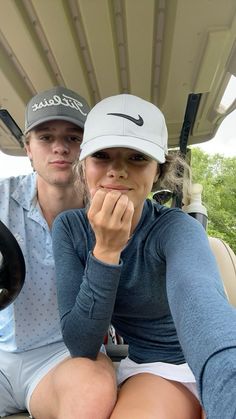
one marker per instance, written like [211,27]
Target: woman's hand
[110,216]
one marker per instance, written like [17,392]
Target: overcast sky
[224,141]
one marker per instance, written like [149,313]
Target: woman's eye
[100,155]
[139,157]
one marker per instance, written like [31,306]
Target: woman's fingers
[108,204]
[128,214]
[110,216]
[111,212]
[96,203]
[114,204]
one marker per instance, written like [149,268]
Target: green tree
[217,174]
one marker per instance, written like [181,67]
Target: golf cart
[179,54]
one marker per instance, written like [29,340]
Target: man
[36,372]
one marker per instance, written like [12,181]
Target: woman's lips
[121,188]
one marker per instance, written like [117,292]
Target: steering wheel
[12,267]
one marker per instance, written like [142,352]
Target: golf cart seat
[226,261]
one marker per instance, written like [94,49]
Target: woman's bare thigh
[147,396]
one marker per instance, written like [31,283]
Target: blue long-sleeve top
[165,297]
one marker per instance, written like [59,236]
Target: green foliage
[217,174]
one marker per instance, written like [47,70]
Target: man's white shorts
[21,372]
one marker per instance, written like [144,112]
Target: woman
[145,268]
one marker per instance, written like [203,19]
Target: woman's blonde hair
[80,181]
[175,174]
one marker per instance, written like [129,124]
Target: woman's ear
[157,174]
[156,178]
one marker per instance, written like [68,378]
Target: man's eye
[74,139]
[44,137]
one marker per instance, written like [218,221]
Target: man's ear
[27,149]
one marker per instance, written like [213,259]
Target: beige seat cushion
[226,260]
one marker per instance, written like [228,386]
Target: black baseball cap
[56,103]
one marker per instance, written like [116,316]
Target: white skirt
[180,373]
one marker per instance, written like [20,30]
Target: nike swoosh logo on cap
[138,121]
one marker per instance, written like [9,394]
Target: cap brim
[144,146]
[53,118]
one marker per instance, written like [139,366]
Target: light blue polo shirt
[32,320]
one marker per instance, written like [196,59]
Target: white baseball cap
[125,121]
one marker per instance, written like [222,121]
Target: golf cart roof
[179,54]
